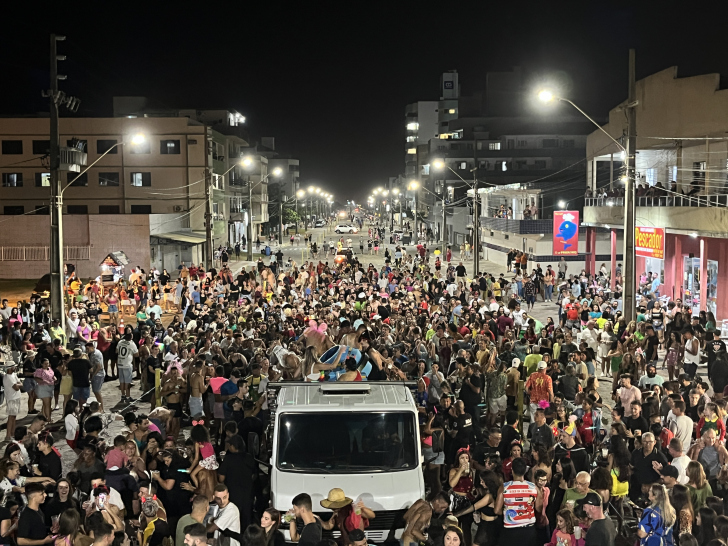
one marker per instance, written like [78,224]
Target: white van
[361,437]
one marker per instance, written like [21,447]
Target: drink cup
[605,452]
[570,504]
[577,533]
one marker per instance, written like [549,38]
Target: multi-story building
[681,177]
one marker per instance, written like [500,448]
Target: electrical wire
[25,161]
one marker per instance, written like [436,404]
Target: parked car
[320,223]
[346,228]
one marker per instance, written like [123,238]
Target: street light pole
[628,285]
[56,250]
[208,219]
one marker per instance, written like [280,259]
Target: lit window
[504,166]
[410,139]
[426,169]
[412,151]
[451,111]
[494,145]
[413,126]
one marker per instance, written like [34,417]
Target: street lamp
[248,162]
[628,297]
[57,281]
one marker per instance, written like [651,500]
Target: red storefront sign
[649,242]
[566,233]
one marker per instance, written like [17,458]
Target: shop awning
[182,237]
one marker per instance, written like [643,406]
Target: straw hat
[336,499]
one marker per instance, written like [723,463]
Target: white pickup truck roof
[355,396]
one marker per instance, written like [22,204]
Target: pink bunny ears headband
[315,329]
[174,364]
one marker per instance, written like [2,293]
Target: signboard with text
[566,233]
[649,242]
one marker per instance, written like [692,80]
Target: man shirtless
[197,387]
[173,389]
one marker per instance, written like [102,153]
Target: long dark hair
[706,529]
[275,517]
[254,535]
[681,500]
[620,453]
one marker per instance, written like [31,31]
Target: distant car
[320,223]
[342,256]
[346,228]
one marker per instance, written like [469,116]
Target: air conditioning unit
[177,208]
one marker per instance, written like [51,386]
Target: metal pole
[208,219]
[250,220]
[476,223]
[280,219]
[443,232]
[416,190]
[56,247]
[628,295]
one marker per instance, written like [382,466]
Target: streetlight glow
[310,189]
[562,204]
[139,138]
[438,164]
[277,171]
[546,95]
[413,185]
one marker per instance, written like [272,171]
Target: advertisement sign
[649,242]
[566,232]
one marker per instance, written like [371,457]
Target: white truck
[361,437]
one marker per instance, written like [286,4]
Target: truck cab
[361,437]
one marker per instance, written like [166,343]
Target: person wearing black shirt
[62,500]
[32,529]
[238,471]
[484,450]
[712,348]
[635,422]
[49,461]
[651,344]
[462,425]
[302,509]
[80,369]
[509,434]
[567,448]
[470,394]
[642,462]
[539,432]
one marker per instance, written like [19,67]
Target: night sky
[330,80]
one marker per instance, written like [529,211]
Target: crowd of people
[518,441]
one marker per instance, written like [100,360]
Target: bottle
[322,377]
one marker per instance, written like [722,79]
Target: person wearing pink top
[45,381]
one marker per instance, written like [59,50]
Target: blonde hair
[662,501]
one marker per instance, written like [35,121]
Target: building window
[494,146]
[510,144]
[413,126]
[41,147]
[521,164]
[651,176]
[108,209]
[468,145]
[455,146]
[522,143]
[411,151]
[108,179]
[143,147]
[14,210]
[479,146]
[104,145]
[442,147]
[141,179]
[169,147]
[672,172]
[411,138]
[79,180]
[77,209]
[12,147]
[426,169]
[41,209]
[504,166]
[462,165]
[540,163]
[141,209]
[699,173]
[451,111]
[12,180]
[550,143]
[78,144]
[42,180]
[569,143]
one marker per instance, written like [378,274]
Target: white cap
[542,365]
[362,295]
[515,362]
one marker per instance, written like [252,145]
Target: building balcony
[700,214]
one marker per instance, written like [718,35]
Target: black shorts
[177,407]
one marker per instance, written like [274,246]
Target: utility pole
[56,250]
[250,220]
[629,280]
[476,223]
[443,233]
[415,212]
[282,197]
[208,218]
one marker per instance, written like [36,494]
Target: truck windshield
[347,442]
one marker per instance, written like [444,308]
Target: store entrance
[691,284]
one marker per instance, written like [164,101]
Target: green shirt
[573,495]
[698,496]
[531,363]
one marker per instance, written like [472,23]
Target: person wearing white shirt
[11,385]
[227,517]
[72,322]
[126,351]
[679,460]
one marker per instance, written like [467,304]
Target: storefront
[112,268]
[696,270]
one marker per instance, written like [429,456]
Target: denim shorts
[97,381]
[81,393]
[125,375]
[196,406]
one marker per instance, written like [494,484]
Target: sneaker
[33,411]
[57,408]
